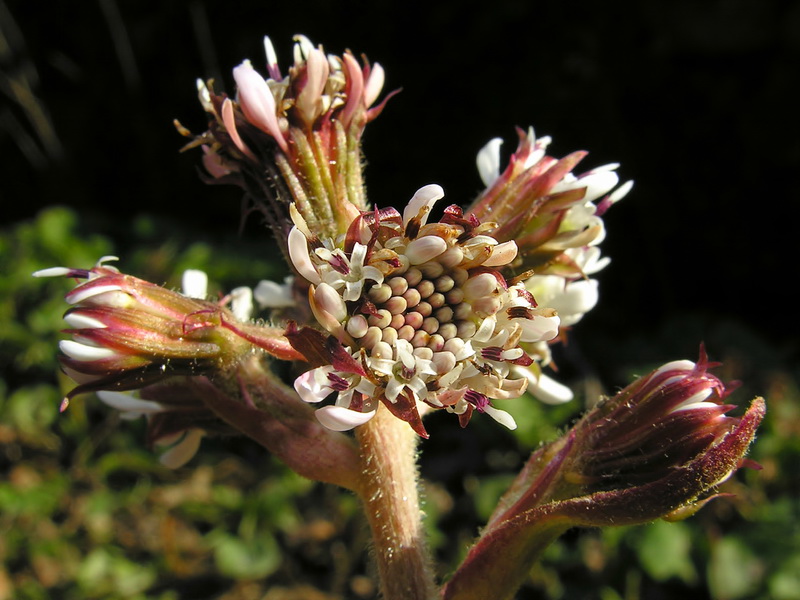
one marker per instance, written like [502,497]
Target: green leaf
[665,552]
[251,559]
[734,571]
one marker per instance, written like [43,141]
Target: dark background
[697,100]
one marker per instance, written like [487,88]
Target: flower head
[421,312]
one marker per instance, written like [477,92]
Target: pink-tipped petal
[338,418]
[230,125]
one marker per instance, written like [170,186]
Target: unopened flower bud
[128,333]
[656,449]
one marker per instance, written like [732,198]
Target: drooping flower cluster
[425,315]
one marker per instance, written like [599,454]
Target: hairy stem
[391,501]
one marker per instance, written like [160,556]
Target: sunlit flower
[422,313]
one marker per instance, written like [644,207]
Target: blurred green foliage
[87,511]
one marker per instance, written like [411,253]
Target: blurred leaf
[784,584]
[488,492]
[664,551]
[734,571]
[105,572]
[240,559]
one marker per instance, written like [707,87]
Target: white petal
[79,295]
[52,272]
[183,451]
[599,184]
[696,401]
[578,298]
[546,389]
[675,365]
[502,254]
[194,283]
[425,197]
[308,385]
[270,294]
[622,191]
[257,101]
[127,403]
[374,84]
[339,418]
[500,416]
[78,320]
[83,352]
[539,328]
[301,259]
[488,161]
[242,303]
[328,300]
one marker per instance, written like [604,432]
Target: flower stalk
[388,486]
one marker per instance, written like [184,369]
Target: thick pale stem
[391,501]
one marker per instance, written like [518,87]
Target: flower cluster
[422,310]
[303,130]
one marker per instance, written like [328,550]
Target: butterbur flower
[421,316]
[656,449]
[295,136]
[553,215]
[128,333]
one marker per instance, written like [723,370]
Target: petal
[488,161]
[339,418]
[374,84]
[194,283]
[52,272]
[500,416]
[242,302]
[424,198]
[257,102]
[82,352]
[230,125]
[308,385]
[425,248]
[183,451]
[546,389]
[127,403]
[301,259]
[502,254]
[78,320]
[270,294]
